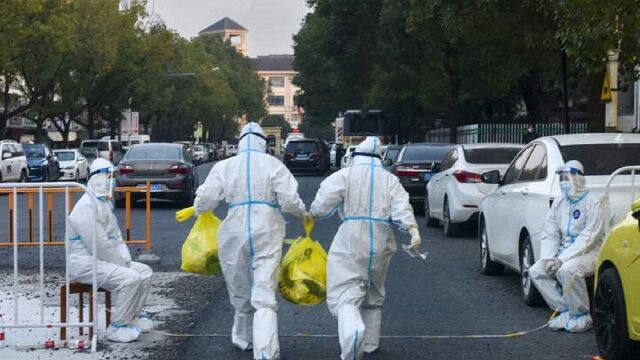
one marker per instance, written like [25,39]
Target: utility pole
[567,126]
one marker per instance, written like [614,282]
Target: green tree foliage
[277,121]
[89,60]
[462,60]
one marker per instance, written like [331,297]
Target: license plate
[156,187]
[301,156]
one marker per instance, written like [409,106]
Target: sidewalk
[174,301]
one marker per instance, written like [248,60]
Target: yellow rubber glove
[185,214]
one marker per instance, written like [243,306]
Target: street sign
[339,130]
[605,95]
[130,125]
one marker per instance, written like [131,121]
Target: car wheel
[489,267]
[77,178]
[430,222]
[530,294]
[23,176]
[610,319]
[45,177]
[450,229]
[120,201]
[0,177]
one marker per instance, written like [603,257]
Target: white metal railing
[15,324]
[607,190]
[500,132]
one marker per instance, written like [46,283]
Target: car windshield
[491,156]
[34,151]
[100,145]
[198,148]
[135,142]
[154,152]
[602,159]
[89,153]
[302,146]
[391,154]
[425,153]
[66,155]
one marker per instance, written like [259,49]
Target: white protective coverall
[572,235]
[369,199]
[257,188]
[128,281]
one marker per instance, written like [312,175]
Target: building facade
[276,70]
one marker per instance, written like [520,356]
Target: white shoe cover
[579,323]
[242,331]
[143,323]
[372,318]
[351,331]
[122,334]
[560,321]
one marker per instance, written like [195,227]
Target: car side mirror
[387,162]
[7,155]
[635,209]
[491,177]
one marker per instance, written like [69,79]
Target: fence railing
[494,133]
[48,194]
[39,189]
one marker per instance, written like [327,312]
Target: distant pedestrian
[530,135]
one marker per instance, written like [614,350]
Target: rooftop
[273,63]
[224,24]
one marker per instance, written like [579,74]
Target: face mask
[566,187]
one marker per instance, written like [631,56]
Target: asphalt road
[444,295]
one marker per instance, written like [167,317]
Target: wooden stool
[80,289]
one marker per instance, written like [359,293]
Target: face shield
[571,181]
[102,182]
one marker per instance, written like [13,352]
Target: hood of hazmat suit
[369,200]
[258,188]
[93,218]
[573,235]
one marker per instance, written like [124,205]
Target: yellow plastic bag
[303,273]
[200,249]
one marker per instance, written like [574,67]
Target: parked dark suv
[414,164]
[43,163]
[307,155]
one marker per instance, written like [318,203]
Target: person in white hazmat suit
[369,200]
[258,188]
[128,281]
[569,249]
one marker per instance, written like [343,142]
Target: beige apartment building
[276,70]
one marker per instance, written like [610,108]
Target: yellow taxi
[616,303]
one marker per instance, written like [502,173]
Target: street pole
[567,126]
[611,118]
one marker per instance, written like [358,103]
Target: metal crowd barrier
[40,189]
[56,188]
[607,191]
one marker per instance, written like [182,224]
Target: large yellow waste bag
[200,249]
[303,273]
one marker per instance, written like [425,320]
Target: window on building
[276,81]
[276,100]
[626,96]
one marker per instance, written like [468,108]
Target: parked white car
[230,150]
[346,159]
[13,162]
[454,190]
[73,165]
[199,154]
[107,149]
[512,218]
